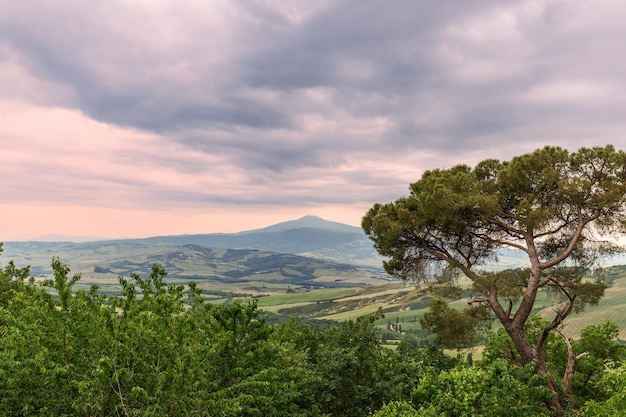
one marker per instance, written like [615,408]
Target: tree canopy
[160,349]
[553,205]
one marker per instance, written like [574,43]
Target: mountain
[295,255]
[307,222]
[308,236]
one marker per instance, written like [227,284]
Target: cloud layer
[155,117]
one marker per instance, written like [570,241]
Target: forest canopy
[159,349]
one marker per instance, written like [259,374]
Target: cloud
[292,105]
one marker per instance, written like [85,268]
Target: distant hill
[301,254]
[309,236]
[307,222]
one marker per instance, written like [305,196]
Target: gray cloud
[283,91]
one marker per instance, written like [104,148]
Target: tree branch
[582,222]
[571,362]
[560,316]
[502,242]
[477,300]
[530,295]
[507,228]
[553,231]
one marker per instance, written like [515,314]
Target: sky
[155,117]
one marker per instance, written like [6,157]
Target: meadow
[404,303]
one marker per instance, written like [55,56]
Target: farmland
[405,304]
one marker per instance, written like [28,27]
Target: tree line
[160,350]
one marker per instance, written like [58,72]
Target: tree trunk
[515,329]
[528,355]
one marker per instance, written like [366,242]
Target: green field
[611,307]
[404,304]
[305,297]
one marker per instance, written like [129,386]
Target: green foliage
[498,390]
[349,373]
[396,409]
[613,383]
[602,351]
[10,279]
[454,329]
[145,353]
[597,347]
[500,346]
[407,369]
[159,349]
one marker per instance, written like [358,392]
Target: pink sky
[151,118]
[95,179]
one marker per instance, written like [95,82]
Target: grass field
[305,297]
[611,307]
[399,302]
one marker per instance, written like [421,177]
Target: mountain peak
[309,221]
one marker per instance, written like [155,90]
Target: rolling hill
[306,253]
[309,236]
[307,267]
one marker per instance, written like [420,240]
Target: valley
[309,268]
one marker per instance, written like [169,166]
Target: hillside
[309,236]
[311,268]
[404,304]
[306,253]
